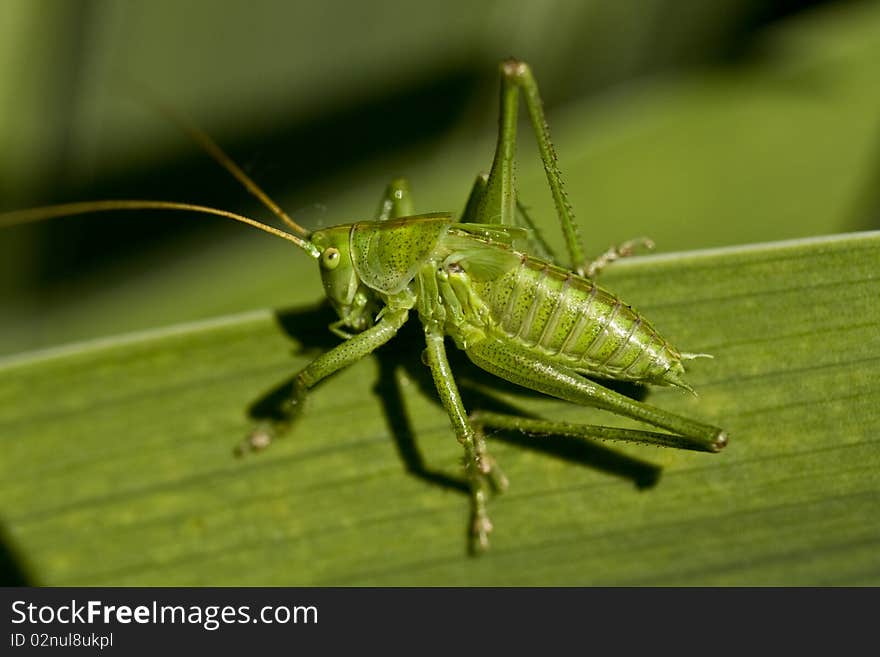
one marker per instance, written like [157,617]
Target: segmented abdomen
[576,323]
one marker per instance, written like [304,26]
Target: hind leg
[524,368]
[396,201]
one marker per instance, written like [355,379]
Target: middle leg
[480,468]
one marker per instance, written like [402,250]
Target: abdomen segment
[573,322]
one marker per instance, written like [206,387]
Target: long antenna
[218,155]
[68,209]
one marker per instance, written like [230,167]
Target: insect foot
[720,441]
[487,466]
[614,253]
[481,529]
[485,477]
[256,441]
[264,434]
[481,526]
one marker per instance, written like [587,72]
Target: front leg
[339,357]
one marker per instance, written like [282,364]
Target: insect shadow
[12,568]
[308,326]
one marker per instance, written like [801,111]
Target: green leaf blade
[118,466]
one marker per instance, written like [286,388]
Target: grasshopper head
[352,300]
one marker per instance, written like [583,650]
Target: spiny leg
[538,246]
[323,366]
[396,201]
[470,214]
[537,426]
[498,202]
[523,368]
[479,466]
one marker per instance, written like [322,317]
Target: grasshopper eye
[330,258]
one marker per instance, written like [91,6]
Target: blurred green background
[697,123]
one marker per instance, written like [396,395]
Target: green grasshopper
[519,316]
